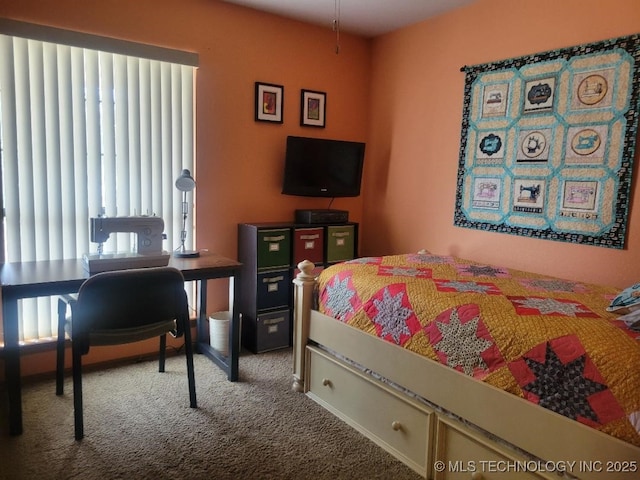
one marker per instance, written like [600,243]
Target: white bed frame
[468,429]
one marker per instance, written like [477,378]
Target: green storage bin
[274,248]
[340,243]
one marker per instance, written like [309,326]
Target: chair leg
[163,349]
[62,312]
[77,391]
[188,349]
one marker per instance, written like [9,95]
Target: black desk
[56,277]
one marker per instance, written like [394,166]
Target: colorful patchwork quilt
[548,340]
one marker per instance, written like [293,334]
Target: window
[87,131]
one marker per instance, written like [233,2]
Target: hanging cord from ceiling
[336,23]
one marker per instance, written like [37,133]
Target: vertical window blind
[85,132]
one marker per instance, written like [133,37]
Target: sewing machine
[149,253]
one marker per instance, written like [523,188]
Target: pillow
[628,299]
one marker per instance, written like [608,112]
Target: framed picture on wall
[269,102]
[313,108]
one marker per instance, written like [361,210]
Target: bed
[465,370]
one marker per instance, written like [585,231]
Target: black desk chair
[119,307]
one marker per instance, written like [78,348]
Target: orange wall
[416,98]
[239,162]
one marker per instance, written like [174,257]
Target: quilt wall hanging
[548,141]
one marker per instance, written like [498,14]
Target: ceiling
[367,18]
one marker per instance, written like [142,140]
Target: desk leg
[230,363]
[234,331]
[202,315]
[12,363]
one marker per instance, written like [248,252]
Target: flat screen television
[316,167]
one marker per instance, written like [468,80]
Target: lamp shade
[185,182]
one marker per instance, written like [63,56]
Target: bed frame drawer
[462,453]
[398,424]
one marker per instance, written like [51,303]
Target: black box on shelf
[321,216]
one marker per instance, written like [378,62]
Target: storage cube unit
[270,253]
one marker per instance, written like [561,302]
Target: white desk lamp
[185,183]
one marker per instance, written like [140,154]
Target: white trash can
[219,331]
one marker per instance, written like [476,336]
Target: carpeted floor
[138,425]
